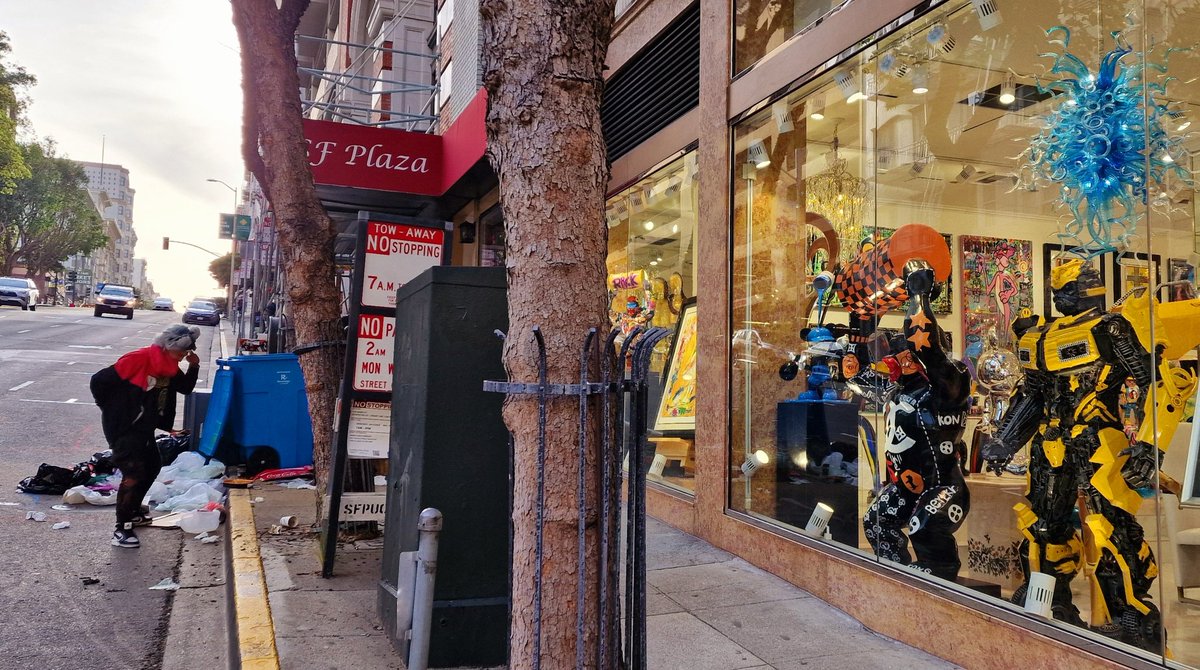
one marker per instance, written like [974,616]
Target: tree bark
[543,69]
[275,151]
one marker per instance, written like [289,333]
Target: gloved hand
[1139,471]
[918,281]
[996,454]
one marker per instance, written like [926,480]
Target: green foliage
[219,269]
[12,80]
[49,215]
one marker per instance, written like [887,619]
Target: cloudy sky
[158,84]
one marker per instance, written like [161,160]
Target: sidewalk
[708,609]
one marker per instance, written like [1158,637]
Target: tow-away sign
[395,254]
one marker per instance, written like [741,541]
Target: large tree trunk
[273,127]
[543,68]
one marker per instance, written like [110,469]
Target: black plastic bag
[49,480]
[173,444]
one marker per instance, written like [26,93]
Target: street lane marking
[59,402]
[57,325]
[18,387]
[125,338]
[88,346]
[72,362]
[22,332]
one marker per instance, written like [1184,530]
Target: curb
[255,639]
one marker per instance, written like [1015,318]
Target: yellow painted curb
[255,629]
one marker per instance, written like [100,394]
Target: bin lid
[218,411]
[455,276]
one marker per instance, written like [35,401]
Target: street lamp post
[231,302]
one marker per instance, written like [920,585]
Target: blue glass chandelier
[1105,143]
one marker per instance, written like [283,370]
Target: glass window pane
[995,229]
[762,25]
[652,275]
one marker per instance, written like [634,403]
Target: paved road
[51,618]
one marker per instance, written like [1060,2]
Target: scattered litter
[201,536]
[276,529]
[199,522]
[380,480]
[88,581]
[296,484]
[369,544]
[61,525]
[288,521]
[211,539]
[259,499]
[8,504]
[284,473]
[78,495]
[167,584]
[63,508]
[36,516]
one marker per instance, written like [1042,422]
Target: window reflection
[919,148]
[651,265]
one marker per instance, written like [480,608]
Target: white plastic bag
[77,495]
[199,521]
[194,498]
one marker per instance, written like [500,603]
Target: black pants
[136,455]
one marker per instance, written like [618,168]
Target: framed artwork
[677,408]
[1052,257]
[1178,269]
[997,283]
[1132,271]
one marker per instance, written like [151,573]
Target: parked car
[164,305]
[115,299]
[202,312]
[19,292]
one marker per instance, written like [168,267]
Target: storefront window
[652,272]
[762,25]
[947,255]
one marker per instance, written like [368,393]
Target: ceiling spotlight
[652,263]
[939,38]
[848,83]
[988,13]
[1008,91]
[649,225]
[674,228]
[782,112]
[917,168]
[891,64]
[920,80]
[966,172]
[1183,126]
[757,154]
[818,108]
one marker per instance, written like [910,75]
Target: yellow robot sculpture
[1099,393]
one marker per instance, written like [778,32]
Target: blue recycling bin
[258,413]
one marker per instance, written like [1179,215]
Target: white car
[164,305]
[19,292]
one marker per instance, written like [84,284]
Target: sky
[157,83]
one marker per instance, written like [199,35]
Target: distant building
[116,206]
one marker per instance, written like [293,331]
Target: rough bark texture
[275,151]
[543,68]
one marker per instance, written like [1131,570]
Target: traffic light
[72,275]
[166,243]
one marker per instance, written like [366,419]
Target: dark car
[202,312]
[114,299]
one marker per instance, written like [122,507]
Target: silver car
[19,292]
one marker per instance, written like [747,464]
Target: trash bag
[50,480]
[171,445]
[196,497]
[77,495]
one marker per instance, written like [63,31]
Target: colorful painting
[677,408]
[942,304]
[997,284]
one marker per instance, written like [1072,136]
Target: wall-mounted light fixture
[757,154]
[466,232]
[751,465]
[817,107]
